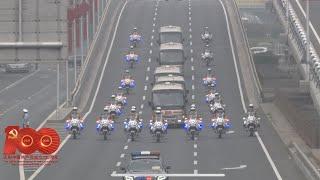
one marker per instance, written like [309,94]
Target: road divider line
[19,81]
[96,92]
[242,96]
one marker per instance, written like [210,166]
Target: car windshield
[168,99]
[170,37]
[145,165]
[171,56]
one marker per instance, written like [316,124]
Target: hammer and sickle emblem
[13,134]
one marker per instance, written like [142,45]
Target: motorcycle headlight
[128,178]
[161,178]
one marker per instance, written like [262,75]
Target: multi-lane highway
[35,91]
[236,155]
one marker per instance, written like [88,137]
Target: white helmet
[135,28]
[25,110]
[75,108]
[250,105]
[105,109]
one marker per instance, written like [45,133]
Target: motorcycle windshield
[170,37]
[168,99]
[171,57]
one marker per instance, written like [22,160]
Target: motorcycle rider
[75,116]
[104,116]
[127,82]
[158,119]
[209,79]
[193,115]
[210,96]
[134,116]
[25,118]
[221,115]
[206,34]
[251,111]
[74,113]
[120,99]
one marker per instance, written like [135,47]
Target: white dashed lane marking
[122,156]
[118,164]
[195,162]
[149,60]
[145,87]
[142,106]
[192,68]
[126,147]
[148,69]
[191,59]
[192,77]
[143,97]
[150,51]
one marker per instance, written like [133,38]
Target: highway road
[89,157]
[35,91]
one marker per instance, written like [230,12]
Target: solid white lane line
[19,81]
[242,97]
[48,160]
[118,164]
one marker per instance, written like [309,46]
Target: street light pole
[308,38]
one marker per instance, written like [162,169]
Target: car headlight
[161,178]
[128,178]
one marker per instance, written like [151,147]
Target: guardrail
[299,36]
[309,170]
[257,83]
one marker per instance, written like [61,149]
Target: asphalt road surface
[35,91]
[89,157]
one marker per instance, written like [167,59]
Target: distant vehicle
[171,78]
[145,162]
[166,70]
[170,34]
[172,99]
[18,67]
[171,54]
